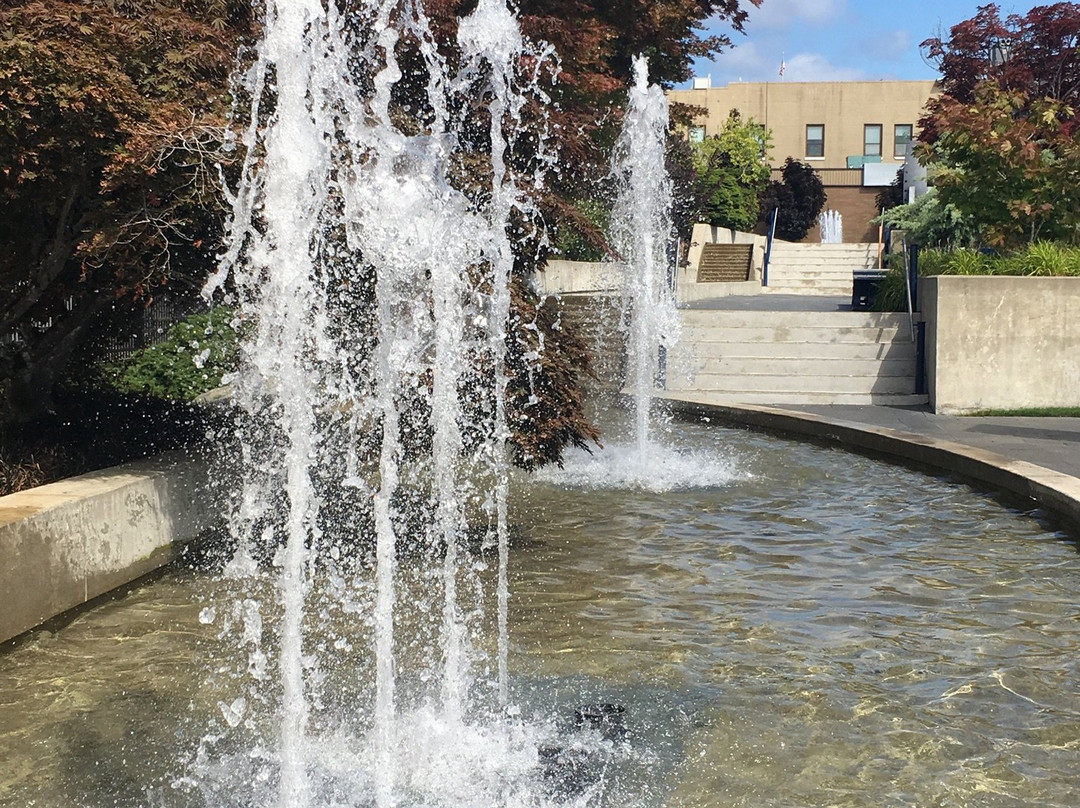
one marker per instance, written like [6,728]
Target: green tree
[1002,138]
[110,114]
[1010,163]
[733,169]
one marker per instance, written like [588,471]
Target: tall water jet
[642,233]
[831,227]
[377,288]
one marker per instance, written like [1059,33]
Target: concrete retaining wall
[688,290]
[578,277]
[69,542]
[1000,343]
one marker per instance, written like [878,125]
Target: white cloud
[751,62]
[815,67]
[785,13]
[746,57]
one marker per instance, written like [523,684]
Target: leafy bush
[580,235]
[191,360]
[1048,258]
[968,262]
[929,223]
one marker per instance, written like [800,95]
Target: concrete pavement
[1050,442]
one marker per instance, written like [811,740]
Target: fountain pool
[786,625]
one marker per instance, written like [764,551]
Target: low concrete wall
[999,343]
[599,321]
[66,543]
[688,290]
[578,277]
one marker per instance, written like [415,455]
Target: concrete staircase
[794,357]
[816,269]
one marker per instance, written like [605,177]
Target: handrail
[768,246]
[910,262]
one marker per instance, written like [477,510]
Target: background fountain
[831,227]
[643,235]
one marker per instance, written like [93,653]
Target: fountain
[642,233]
[831,227]
[755,625]
[380,294]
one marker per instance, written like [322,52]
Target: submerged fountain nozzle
[609,719]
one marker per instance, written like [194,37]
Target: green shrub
[928,222]
[891,291]
[191,360]
[933,262]
[1048,258]
[966,261]
[1040,258]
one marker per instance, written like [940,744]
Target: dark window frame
[900,147]
[815,147]
[868,144]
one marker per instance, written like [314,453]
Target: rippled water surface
[786,625]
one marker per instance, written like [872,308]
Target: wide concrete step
[775,399]
[811,261]
[811,274]
[792,367]
[791,248]
[693,318]
[793,263]
[840,351]
[803,383]
[795,335]
[821,290]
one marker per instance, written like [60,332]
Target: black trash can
[864,284]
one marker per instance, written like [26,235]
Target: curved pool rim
[1054,491]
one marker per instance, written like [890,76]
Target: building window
[697,134]
[902,134]
[815,140]
[872,140]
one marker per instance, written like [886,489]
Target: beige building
[855,133]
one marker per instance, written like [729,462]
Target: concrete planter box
[999,343]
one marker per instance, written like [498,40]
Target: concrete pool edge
[1053,490]
[68,542]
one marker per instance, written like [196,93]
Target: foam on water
[659,469]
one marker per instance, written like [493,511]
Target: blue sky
[840,40]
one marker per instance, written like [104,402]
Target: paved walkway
[1053,443]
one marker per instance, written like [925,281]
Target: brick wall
[857,206]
